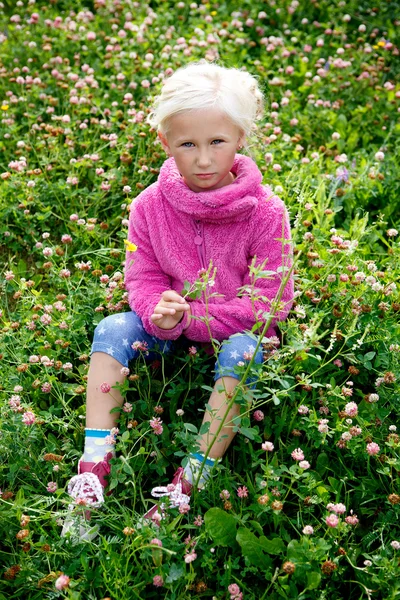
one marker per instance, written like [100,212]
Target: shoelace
[87,487]
[174,493]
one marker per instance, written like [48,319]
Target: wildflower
[192,351]
[288,567]
[111,439]
[267,446]
[373,449]
[379,156]
[394,499]
[190,557]
[124,371]
[130,246]
[328,567]
[234,590]
[258,415]
[156,425]
[332,520]
[264,499]
[127,407]
[243,492]
[352,519]
[277,505]
[158,581]
[389,377]
[338,363]
[184,508]
[198,521]
[225,495]
[347,391]
[308,530]
[339,508]
[180,412]
[395,545]
[140,346]
[304,464]
[51,487]
[46,387]
[128,531]
[298,454]
[22,534]
[303,410]
[367,563]
[351,409]
[392,232]
[62,582]
[105,387]
[28,418]
[323,426]
[372,398]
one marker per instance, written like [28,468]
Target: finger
[155,317]
[163,310]
[172,296]
[173,306]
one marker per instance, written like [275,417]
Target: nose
[203,158]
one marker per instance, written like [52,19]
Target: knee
[241,346]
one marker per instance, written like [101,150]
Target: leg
[232,351]
[112,350]
[103,368]
[218,402]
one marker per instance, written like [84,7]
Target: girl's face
[203,144]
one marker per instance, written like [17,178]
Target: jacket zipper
[199,243]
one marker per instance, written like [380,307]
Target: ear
[241,141]
[164,143]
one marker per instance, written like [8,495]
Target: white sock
[97,445]
[192,469]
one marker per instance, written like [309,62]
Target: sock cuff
[200,457]
[97,432]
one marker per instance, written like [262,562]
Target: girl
[207,204]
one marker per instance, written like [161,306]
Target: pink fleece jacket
[177,233]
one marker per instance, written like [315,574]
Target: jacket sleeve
[271,243]
[145,281]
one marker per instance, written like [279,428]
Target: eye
[217,141]
[185,144]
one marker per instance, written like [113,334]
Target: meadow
[306,503]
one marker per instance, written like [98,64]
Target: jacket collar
[232,202]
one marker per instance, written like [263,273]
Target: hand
[169,310]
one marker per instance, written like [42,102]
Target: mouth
[204,175]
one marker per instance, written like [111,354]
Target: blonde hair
[202,85]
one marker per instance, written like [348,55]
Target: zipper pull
[198,240]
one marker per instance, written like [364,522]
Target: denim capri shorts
[116,334]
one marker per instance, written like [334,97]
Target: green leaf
[220,526]
[190,427]
[322,463]
[125,436]
[313,580]
[254,549]
[369,355]
[205,428]
[256,525]
[175,573]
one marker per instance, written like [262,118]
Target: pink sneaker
[101,469]
[179,492]
[87,489]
